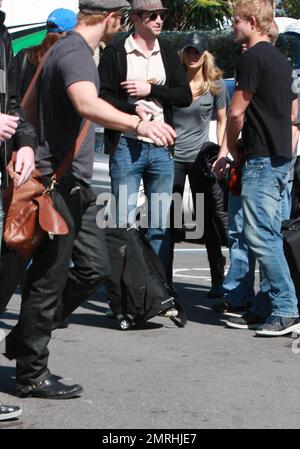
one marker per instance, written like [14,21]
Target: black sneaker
[275,326]
[247,321]
[226,308]
[9,412]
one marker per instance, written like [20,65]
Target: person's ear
[253,22]
[110,16]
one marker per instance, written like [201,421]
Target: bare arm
[235,119]
[295,128]
[84,97]
[221,124]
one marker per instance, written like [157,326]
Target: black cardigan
[113,70]
[9,101]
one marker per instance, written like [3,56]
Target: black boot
[217,278]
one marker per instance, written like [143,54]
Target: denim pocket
[257,163]
[252,171]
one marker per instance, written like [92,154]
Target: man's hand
[137,88]
[25,165]
[8,126]
[144,113]
[161,133]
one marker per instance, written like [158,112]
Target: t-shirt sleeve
[77,66]
[249,73]
[221,100]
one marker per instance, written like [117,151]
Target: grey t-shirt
[192,123]
[70,61]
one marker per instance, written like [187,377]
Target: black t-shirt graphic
[265,72]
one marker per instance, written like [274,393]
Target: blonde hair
[262,10]
[273,33]
[211,73]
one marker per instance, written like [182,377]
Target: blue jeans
[287,200]
[132,161]
[239,282]
[264,185]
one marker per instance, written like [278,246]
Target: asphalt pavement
[204,376]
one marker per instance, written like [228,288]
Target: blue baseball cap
[61,20]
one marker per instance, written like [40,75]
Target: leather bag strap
[71,155]
[29,104]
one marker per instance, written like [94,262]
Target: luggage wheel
[125,323]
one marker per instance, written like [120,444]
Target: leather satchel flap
[17,199]
[50,220]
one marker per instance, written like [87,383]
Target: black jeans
[12,273]
[52,287]
[215,219]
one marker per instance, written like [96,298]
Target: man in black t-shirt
[69,88]
[262,107]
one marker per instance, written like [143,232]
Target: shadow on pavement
[7,380]
[192,297]
[197,305]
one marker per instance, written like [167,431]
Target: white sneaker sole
[243,326]
[234,314]
[11,415]
[169,313]
[266,333]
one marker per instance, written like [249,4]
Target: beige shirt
[142,67]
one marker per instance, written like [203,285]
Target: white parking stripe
[194,250]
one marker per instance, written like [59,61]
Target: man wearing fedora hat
[69,88]
[142,74]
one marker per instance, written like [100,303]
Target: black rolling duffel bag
[291,244]
[138,289]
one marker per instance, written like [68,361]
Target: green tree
[292,8]
[197,14]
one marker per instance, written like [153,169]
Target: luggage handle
[290,225]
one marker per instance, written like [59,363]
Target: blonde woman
[192,129]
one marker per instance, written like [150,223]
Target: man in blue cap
[61,20]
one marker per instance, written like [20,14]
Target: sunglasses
[153,15]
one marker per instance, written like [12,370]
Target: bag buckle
[50,187]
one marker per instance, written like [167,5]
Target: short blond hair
[273,33]
[262,10]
